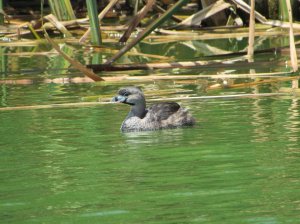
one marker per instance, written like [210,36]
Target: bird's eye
[126,94]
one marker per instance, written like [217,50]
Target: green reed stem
[94,22]
[34,33]
[1,13]
[62,9]
[283,10]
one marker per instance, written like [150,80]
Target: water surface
[239,164]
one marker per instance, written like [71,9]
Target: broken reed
[62,9]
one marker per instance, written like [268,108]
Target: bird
[159,116]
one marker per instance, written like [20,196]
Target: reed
[255,83]
[62,9]
[159,39]
[1,13]
[148,30]
[136,20]
[283,10]
[293,52]
[294,59]
[100,17]
[196,19]
[89,104]
[246,8]
[34,33]
[200,65]
[55,22]
[94,22]
[251,32]
[131,79]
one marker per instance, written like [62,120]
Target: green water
[239,164]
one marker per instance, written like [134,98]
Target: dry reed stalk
[112,51]
[69,23]
[114,28]
[189,77]
[158,39]
[89,104]
[136,20]
[205,13]
[294,60]
[282,24]
[55,22]
[250,50]
[30,54]
[185,64]
[147,30]
[255,83]
[142,79]
[23,43]
[293,52]
[73,23]
[246,8]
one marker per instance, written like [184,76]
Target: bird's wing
[162,111]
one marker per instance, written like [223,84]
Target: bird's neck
[137,110]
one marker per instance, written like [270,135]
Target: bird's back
[168,115]
[162,111]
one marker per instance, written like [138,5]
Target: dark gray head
[130,95]
[134,97]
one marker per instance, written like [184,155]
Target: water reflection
[293,124]
[265,117]
[262,119]
[162,137]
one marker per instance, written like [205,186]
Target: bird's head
[130,95]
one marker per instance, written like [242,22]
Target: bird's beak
[120,99]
